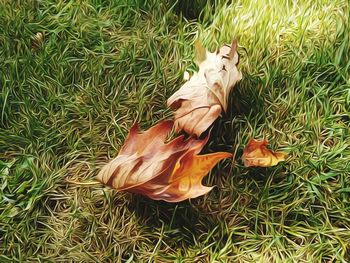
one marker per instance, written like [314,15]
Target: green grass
[68,100]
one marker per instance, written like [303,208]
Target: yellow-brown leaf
[186,179]
[170,171]
[257,154]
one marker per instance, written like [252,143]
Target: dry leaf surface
[257,154]
[171,171]
[200,101]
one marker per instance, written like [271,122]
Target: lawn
[74,77]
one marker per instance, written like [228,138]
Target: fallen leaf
[200,101]
[171,171]
[256,154]
[37,40]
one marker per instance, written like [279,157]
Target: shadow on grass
[179,222]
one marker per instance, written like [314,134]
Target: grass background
[68,99]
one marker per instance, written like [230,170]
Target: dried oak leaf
[200,101]
[170,171]
[256,154]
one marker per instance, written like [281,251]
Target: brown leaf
[199,102]
[37,40]
[170,171]
[256,154]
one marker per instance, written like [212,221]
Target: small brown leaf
[37,40]
[199,102]
[201,53]
[170,171]
[256,154]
